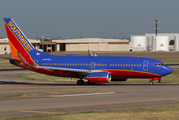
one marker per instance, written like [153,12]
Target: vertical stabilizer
[18,41]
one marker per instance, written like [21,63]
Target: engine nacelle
[99,77]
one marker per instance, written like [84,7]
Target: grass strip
[4,63]
[16,95]
[153,113]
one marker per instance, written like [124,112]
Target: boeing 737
[95,69]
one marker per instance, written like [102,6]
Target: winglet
[90,53]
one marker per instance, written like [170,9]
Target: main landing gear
[80,82]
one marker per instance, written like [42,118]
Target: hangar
[93,44]
[81,44]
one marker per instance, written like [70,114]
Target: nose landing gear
[151,83]
[152,79]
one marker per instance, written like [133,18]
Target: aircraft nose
[167,70]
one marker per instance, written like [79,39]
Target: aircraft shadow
[86,84]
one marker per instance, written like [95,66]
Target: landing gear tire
[80,82]
[90,83]
[151,83]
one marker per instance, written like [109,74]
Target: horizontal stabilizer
[22,58]
[10,58]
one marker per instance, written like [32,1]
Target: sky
[90,18]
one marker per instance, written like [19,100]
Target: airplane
[95,69]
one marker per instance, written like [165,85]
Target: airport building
[81,44]
[148,42]
[4,46]
[93,44]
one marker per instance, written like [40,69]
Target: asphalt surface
[42,98]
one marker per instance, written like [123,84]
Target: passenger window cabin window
[115,64]
[86,64]
[123,64]
[99,64]
[110,64]
[49,63]
[126,64]
[129,64]
[134,64]
[89,64]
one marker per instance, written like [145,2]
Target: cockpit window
[159,64]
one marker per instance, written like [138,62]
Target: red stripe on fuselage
[131,74]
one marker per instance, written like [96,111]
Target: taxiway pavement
[40,98]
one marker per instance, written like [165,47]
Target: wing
[82,72]
[78,71]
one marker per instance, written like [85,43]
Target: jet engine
[99,77]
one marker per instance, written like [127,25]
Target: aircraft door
[36,61]
[92,65]
[145,65]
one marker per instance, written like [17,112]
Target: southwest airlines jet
[96,69]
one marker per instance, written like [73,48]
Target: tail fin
[90,53]
[18,41]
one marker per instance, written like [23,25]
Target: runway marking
[52,92]
[40,112]
[101,104]
[104,93]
